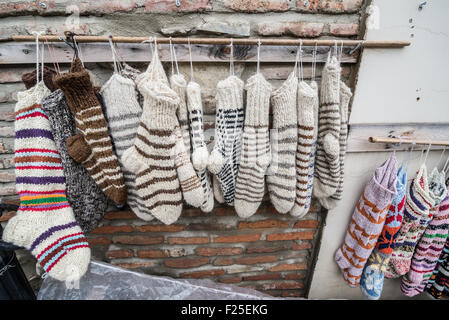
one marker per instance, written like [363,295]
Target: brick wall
[270,252]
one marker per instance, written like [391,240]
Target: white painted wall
[389,82]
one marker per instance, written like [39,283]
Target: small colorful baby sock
[439,282]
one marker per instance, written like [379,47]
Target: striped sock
[367,222]
[179,85]
[306,127]
[129,72]
[92,146]
[223,160]
[200,154]
[256,153]
[281,178]
[439,282]
[44,223]
[123,115]
[327,162]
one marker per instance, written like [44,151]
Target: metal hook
[360,44]
[410,154]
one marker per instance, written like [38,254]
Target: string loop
[231,59]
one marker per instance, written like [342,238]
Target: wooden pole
[225,41]
[408,141]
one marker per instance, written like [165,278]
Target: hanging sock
[256,153]
[367,222]
[372,280]
[281,178]
[44,223]
[345,96]
[87,200]
[327,162]
[129,72]
[92,146]
[439,281]
[224,159]
[29,78]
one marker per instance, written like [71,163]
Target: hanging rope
[231,59]
[314,61]
[258,56]
[37,33]
[190,57]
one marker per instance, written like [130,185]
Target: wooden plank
[360,133]
[24,53]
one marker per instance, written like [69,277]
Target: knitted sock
[218,194]
[92,145]
[200,154]
[29,78]
[223,161]
[179,85]
[345,96]
[281,179]
[416,217]
[44,223]
[130,73]
[256,153]
[123,114]
[372,280]
[327,162]
[439,282]
[88,202]
[367,222]
[306,127]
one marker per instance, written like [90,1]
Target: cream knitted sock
[327,162]
[306,127]
[123,114]
[345,96]
[281,179]
[179,85]
[218,194]
[200,154]
[256,153]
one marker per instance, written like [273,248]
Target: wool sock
[224,159]
[44,223]
[123,115]
[281,178]
[306,127]
[345,96]
[152,157]
[439,282]
[218,194]
[416,218]
[87,200]
[327,162]
[130,73]
[29,78]
[367,222]
[179,84]
[92,146]
[200,154]
[371,282]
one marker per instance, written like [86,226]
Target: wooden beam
[408,141]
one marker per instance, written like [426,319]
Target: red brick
[306,224]
[289,267]
[299,29]
[222,262]
[269,223]
[107,6]
[202,274]
[123,253]
[256,260]
[225,211]
[283,285]
[151,254]
[238,238]
[98,241]
[344,29]
[112,229]
[160,228]
[294,276]
[302,246]
[120,215]
[256,5]
[209,226]
[305,235]
[218,251]
[334,6]
[262,277]
[137,239]
[188,240]
[168,6]
[134,265]
[269,249]
[230,279]
[186,262]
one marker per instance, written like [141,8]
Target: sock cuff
[230,93]
[283,101]
[258,100]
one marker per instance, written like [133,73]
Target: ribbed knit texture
[29,78]
[327,162]
[225,157]
[200,154]
[44,223]
[306,103]
[130,73]
[152,157]
[87,200]
[256,153]
[179,84]
[345,96]
[439,282]
[123,115]
[371,282]
[416,218]
[367,222]
[281,178]
[92,146]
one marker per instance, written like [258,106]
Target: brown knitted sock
[29,78]
[92,145]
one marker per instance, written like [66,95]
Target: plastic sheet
[104,281]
